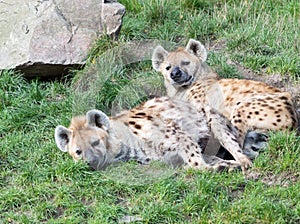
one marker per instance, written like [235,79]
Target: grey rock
[46,37]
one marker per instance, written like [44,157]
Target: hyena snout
[95,159]
[179,76]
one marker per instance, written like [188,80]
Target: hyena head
[86,139]
[180,67]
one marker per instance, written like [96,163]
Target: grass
[38,183]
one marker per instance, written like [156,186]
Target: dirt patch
[284,179]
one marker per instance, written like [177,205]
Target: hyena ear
[158,57]
[98,118]
[196,48]
[62,137]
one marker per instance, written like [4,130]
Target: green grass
[39,183]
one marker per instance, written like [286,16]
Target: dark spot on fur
[192,155]
[234,139]
[132,122]
[136,117]
[196,164]
[283,98]
[149,118]
[190,160]
[137,126]
[260,119]
[278,120]
[140,114]
[249,117]
[278,115]
[135,132]
[155,124]
[167,136]
[274,124]
[238,121]
[288,104]
[230,127]
[256,112]
[271,108]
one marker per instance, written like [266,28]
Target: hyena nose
[176,73]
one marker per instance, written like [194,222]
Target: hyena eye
[78,152]
[185,63]
[95,143]
[168,67]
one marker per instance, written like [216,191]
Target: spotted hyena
[249,105]
[159,129]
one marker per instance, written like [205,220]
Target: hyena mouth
[186,82]
[180,77]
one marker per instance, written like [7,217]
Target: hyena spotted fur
[249,105]
[159,129]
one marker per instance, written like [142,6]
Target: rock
[46,37]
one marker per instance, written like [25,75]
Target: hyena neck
[127,153]
[124,154]
[204,72]
[177,93]
[123,148]
[117,150]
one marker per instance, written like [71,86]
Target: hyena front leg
[189,150]
[225,132]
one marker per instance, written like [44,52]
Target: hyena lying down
[249,105]
[159,129]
